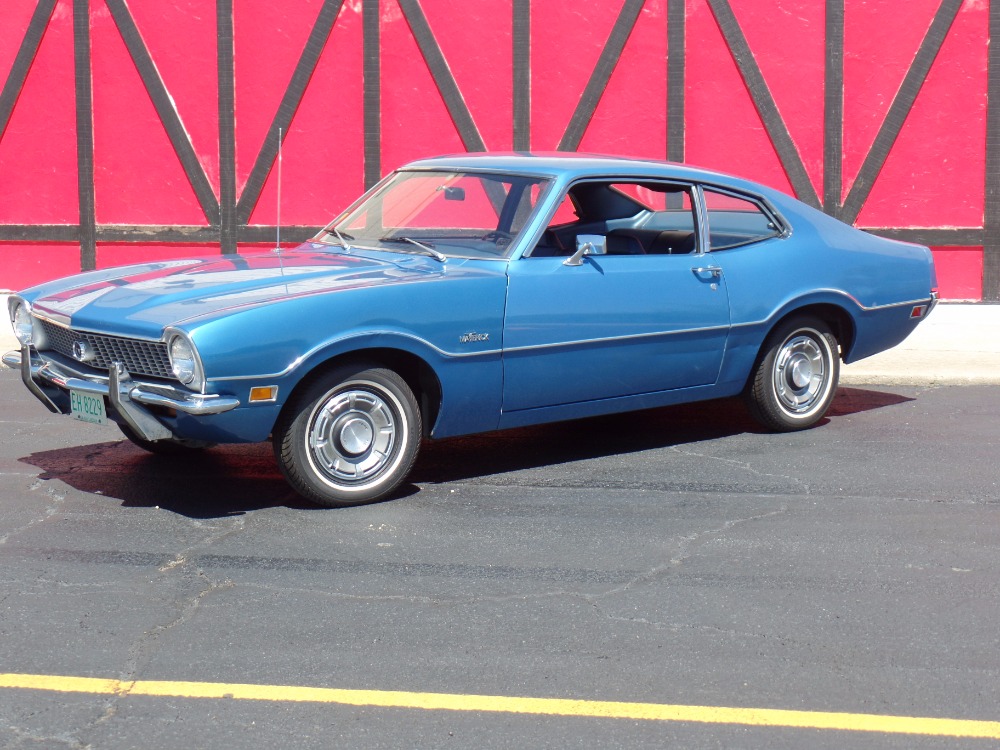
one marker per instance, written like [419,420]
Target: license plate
[87,407]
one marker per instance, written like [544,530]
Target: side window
[735,221]
[636,218]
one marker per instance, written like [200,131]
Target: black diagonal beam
[991,225]
[84,134]
[165,108]
[599,78]
[22,62]
[900,109]
[833,109]
[228,224]
[521,39]
[676,31]
[304,69]
[443,77]
[763,100]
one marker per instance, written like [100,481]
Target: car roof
[574,165]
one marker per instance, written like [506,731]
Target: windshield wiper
[426,247]
[342,237]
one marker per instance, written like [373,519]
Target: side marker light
[263,394]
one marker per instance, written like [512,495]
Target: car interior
[650,219]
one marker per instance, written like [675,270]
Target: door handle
[713,272]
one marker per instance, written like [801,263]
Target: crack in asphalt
[143,648]
[744,465]
[685,545]
[57,498]
[22,738]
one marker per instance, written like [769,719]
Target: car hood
[142,300]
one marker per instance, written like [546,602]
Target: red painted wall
[932,178]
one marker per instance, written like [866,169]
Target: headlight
[184,360]
[21,320]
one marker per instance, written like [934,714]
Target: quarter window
[735,221]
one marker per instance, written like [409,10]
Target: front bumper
[50,382]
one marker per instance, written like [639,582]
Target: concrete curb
[959,344]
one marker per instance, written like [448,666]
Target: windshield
[441,213]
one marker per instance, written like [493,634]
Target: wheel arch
[419,375]
[836,316]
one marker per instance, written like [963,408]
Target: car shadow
[236,479]
[619,434]
[224,481]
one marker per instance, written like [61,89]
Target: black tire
[168,447]
[796,376]
[350,437]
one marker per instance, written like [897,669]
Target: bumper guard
[128,397]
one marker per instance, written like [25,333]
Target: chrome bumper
[934,303]
[127,396]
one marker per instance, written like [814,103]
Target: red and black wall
[143,130]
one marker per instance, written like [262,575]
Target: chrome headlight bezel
[185,362]
[22,321]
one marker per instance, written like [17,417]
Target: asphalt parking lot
[683,578]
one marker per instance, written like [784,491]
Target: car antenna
[277,228]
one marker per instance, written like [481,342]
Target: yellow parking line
[759,717]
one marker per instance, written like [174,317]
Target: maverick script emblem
[470,338]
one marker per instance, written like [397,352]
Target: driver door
[614,326]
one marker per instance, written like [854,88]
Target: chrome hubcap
[356,436]
[352,435]
[801,372]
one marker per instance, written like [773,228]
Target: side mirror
[587,244]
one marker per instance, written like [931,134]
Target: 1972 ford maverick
[473,293]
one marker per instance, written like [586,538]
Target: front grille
[138,357]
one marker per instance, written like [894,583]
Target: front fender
[471,383]
[280,344]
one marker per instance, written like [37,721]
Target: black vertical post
[676,52]
[84,134]
[833,109]
[372,72]
[991,220]
[227,128]
[522,74]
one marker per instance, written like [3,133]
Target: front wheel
[350,437]
[795,380]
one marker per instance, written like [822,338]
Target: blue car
[473,293]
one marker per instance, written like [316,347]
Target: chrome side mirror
[587,244]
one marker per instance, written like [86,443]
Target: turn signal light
[263,393]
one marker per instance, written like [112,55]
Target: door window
[637,218]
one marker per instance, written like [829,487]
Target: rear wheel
[350,437]
[795,381]
[168,447]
